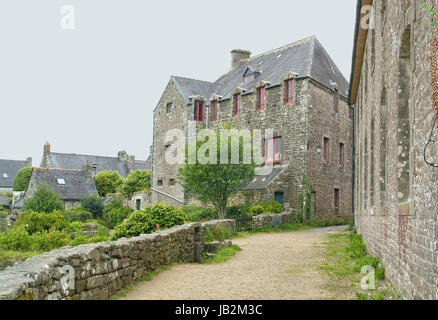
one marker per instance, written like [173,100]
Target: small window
[199,111]
[341,154]
[169,107]
[335,101]
[160,183]
[273,150]
[213,110]
[326,149]
[288,91]
[61,181]
[260,98]
[336,198]
[138,204]
[236,105]
[171,182]
[248,78]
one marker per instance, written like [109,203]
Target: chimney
[122,155]
[238,55]
[94,166]
[47,148]
[88,168]
[28,162]
[131,158]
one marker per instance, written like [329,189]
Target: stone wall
[396,194]
[145,198]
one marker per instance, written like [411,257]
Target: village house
[123,163]
[296,90]
[8,171]
[396,174]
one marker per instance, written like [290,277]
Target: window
[341,154]
[288,91]
[350,113]
[273,150]
[236,105]
[336,198]
[248,78]
[335,101]
[326,149]
[199,111]
[138,204]
[169,107]
[213,110]
[61,181]
[260,98]
[172,182]
[5,175]
[160,183]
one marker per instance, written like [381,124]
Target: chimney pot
[238,55]
[122,155]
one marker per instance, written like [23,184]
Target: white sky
[92,90]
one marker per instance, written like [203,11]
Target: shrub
[49,240]
[107,182]
[93,204]
[17,239]
[256,210]
[218,233]
[3,213]
[272,207]
[136,181]
[22,178]
[196,214]
[145,221]
[40,221]
[236,211]
[116,215]
[45,199]
[116,202]
[77,214]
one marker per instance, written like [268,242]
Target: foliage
[223,255]
[3,213]
[77,214]
[45,199]
[10,257]
[257,209]
[116,215]
[22,178]
[327,222]
[238,211]
[107,182]
[49,240]
[272,207]
[115,203]
[93,204]
[431,11]
[196,214]
[215,182]
[217,233]
[305,199]
[41,221]
[136,181]
[146,220]
[17,239]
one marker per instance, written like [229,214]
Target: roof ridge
[57,169]
[209,82]
[81,154]
[12,160]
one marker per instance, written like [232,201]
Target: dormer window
[251,73]
[199,111]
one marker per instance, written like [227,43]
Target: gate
[243,223]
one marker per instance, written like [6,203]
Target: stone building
[123,163]
[71,185]
[8,171]
[396,191]
[297,91]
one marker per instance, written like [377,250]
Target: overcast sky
[92,90]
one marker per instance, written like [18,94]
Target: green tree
[136,181]
[215,182]
[93,204]
[45,199]
[22,178]
[107,182]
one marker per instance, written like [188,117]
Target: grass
[287,227]
[148,277]
[9,257]
[222,255]
[346,255]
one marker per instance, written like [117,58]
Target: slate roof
[77,186]
[306,57]
[10,169]
[262,182]
[77,161]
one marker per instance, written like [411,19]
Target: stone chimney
[122,155]
[88,168]
[47,148]
[238,55]
[28,162]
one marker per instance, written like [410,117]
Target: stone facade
[139,200]
[396,192]
[301,125]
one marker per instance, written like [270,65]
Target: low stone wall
[272,220]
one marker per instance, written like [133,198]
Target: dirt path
[275,266]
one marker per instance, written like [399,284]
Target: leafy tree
[136,181]
[45,199]
[107,182]
[93,204]
[41,221]
[22,178]
[215,182]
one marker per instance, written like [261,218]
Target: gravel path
[274,266]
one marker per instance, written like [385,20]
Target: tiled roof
[77,185]
[306,57]
[8,171]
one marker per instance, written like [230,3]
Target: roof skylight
[5,175]
[61,181]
